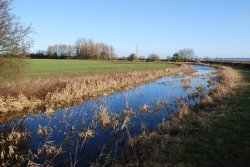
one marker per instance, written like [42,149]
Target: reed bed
[50,94]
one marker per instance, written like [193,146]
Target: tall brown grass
[228,80]
[186,83]
[105,119]
[51,94]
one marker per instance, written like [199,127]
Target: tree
[87,49]
[142,58]
[153,57]
[61,51]
[14,42]
[132,57]
[176,57]
[14,37]
[40,54]
[186,54]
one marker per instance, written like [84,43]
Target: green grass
[226,142]
[48,67]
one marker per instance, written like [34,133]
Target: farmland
[50,67]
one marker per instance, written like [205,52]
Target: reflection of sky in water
[81,117]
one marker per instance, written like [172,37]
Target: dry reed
[186,83]
[105,119]
[51,94]
[144,108]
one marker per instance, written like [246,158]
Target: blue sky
[213,28]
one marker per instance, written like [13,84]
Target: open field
[48,67]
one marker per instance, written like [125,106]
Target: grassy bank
[48,67]
[226,140]
[216,133]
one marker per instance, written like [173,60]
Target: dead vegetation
[9,144]
[51,94]
[127,114]
[105,119]
[186,83]
[158,148]
[86,134]
[228,80]
[197,92]
[144,108]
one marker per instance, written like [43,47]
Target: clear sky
[213,28]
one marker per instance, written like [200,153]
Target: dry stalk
[186,83]
[104,117]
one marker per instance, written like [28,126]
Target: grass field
[47,67]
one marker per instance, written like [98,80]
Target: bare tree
[61,50]
[52,51]
[186,54]
[14,43]
[14,37]
[88,49]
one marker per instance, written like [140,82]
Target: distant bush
[132,57]
[153,57]
[176,57]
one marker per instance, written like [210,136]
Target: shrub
[11,67]
[153,57]
[132,57]
[176,57]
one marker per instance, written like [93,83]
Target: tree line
[184,55]
[83,49]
